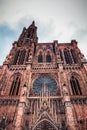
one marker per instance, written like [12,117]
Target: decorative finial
[33,23]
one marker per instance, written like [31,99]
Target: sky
[62,20]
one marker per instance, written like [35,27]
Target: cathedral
[43,86]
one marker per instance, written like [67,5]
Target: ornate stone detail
[17,67]
[43,85]
[5,122]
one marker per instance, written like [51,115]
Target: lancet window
[27,55]
[75,59]
[67,56]
[19,57]
[16,57]
[76,90]
[14,91]
[61,55]
[48,57]
[40,58]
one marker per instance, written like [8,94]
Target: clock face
[44,84]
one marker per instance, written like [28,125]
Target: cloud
[80,34]
[55,19]
[7,37]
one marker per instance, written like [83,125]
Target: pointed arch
[48,57]
[44,84]
[16,57]
[27,54]
[21,57]
[40,57]
[44,75]
[46,122]
[15,85]
[75,86]
[61,55]
[74,56]
[16,74]
[67,56]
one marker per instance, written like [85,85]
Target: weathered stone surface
[43,85]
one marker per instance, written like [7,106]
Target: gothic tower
[43,86]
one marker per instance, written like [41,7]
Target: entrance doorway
[45,125]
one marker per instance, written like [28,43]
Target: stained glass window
[45,84]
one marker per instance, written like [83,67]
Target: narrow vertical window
[68,57]
[12,88]
[40,58]
[27,55]
[16,57]
[61,55]
[33,107]
[21,57]
[63,125]
[15,87]
[48,57]
[54,48]
[74,56]
[34,49]
[76,90]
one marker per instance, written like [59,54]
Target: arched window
[61,55]
[16,57]
[45,84]
[48,57]
[75,59]
[76,90]
[21,57]
[68,57]
[15,87]
[40,58]
[27,55]
[54,48]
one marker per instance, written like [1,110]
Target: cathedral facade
[43,86]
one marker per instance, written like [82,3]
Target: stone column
[69,114]
[19,115]
[71,120]
[23,97]
[21,109]
[70,117]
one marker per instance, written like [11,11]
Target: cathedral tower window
[27,40]
[61,55]
[76,90]
[27,55]
[75,59]
[19,57]
[54,49]
[68,57]
[16,57]
[15,87]
[45,84]
[48,57]
[40,58]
